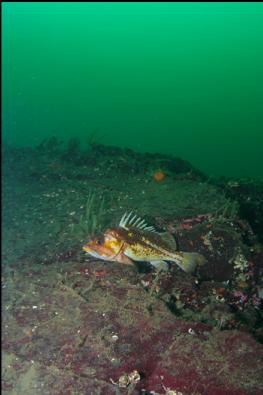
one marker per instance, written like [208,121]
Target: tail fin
[190,261]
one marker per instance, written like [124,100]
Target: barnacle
[128,379]
[240,264]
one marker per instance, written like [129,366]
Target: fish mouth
[86,248]
[93,253]
[90,251]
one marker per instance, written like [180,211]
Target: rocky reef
[73,324]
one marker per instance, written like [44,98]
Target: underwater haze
[176,78]
[132,243]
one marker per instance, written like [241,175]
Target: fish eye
[100,240]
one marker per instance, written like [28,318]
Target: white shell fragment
[127,221]
[127,379]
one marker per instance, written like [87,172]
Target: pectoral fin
[121,258]
[160,265]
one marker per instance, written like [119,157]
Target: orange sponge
[159,175]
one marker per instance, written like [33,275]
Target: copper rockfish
[133,240]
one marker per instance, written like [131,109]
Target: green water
[178,78]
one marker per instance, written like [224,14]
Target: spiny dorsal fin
[129,220]
[168,238]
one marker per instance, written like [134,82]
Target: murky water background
[178,78]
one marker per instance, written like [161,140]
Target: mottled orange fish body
[133,240]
